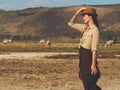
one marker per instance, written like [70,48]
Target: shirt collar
[92,26]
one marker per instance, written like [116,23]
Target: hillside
[38,23]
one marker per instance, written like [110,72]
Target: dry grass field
[45,71]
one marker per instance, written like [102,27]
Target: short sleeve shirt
[89,39]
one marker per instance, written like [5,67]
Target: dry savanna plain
[30,66]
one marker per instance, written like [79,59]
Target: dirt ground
[32,71]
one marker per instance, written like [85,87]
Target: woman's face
[86,18]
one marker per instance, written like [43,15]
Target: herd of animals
[48,42]
[43,41]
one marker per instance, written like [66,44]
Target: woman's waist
[84,49]
[84,46]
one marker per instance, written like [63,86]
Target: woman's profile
[89,72]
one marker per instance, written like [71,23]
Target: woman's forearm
[72,20]
[94,60]
[94,57]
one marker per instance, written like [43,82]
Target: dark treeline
[104,36]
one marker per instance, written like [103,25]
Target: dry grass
[56,73]
[56,47]
[53,74]
[35,47]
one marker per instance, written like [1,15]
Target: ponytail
[95,20]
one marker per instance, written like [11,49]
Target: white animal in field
[48,42]
[45,42]
[6,41]
[109,42]
[42,41]
[10,40]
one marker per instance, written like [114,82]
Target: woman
[89,72]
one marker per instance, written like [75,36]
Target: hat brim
[82,14]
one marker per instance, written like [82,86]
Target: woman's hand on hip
[93,69]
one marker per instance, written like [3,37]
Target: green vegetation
[110,51]
[36,47]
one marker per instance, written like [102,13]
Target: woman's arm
[74,25]
[72,20]
[94,62]
[95,41]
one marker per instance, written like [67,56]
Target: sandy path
[32,71]
[31,55]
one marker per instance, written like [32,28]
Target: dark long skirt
[85,57]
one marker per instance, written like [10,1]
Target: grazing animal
[46,42]
[42,41]
[109,42]
[10,40]
[6,41]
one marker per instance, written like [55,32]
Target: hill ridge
[44,22]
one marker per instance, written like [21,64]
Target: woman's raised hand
[72,20]
[81,9]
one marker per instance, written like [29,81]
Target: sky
[22,4]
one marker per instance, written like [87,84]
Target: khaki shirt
[89,39]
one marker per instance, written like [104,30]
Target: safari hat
[89,10]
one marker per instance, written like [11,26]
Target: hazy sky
[21,4]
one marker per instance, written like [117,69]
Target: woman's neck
[90,23]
